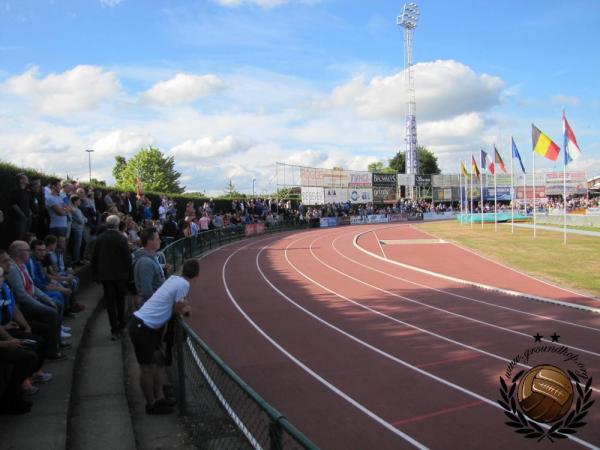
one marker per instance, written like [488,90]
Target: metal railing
[219,408]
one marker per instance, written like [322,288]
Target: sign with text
[384,194]
[360,195]
[384,180]
[335,195]
[422,180]
[313,195]
[359,180]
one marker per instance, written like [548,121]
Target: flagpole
[471,212]
[460,186]
[534,212]
[512,190]
[525,192]
[565,201]
[481,195]
[495,198]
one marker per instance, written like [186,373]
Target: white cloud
[443,89]
[79,89]
[260,3]
[566,100]
[209,147]
[110,3]
[308,158]
[183,88]
[122,142]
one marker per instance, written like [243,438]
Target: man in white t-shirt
[146,330]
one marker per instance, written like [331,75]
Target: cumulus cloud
[209,147]
[110,3]
[183,88]
[122,142]
[309,158]
[443,89]
[79,89]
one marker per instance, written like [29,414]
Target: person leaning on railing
[146,330]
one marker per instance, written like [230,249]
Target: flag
[499,160]
[484,162]
[463,169]
[474,168]
[572,151]
[543,145]
[516,154]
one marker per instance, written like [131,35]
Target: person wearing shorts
[146,330]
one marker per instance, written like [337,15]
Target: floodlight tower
[408,20]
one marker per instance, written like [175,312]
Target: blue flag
[515,153]
[483,160]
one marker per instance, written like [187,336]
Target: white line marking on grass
[475,284]
[457,295]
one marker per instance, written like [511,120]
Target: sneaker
[66,329]
[156,408]
[64,335]
[41,377]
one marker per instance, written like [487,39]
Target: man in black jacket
[111,265]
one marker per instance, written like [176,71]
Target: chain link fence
[221,411]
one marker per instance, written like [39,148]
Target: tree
[230,191]
[427,162]
[120,164]
[156,171]
[378,167]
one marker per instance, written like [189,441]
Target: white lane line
[379,243]
[315,375]
[475,284]
[512,269]
[431,333]
[457,295]
[391,357]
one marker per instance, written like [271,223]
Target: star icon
[555,337]
[538,338]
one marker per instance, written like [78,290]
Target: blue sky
[230,86]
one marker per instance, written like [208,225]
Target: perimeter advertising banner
[384,194]
[540,192]
[360,195]
[336,195]
[576,183]
[328,222]
[312,195]
[359,180]
[385,180]
[313,177]
[502,194]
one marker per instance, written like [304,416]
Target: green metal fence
[221,411]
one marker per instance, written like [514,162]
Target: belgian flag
[543,145]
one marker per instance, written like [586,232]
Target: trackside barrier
[219,408]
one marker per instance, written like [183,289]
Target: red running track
[361,353]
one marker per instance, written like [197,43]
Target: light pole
[89,152]
[408,20]
[253,181]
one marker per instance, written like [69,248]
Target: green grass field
[575,265]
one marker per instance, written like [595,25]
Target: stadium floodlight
[409,17]
[408,20]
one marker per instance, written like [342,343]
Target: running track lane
[395,393]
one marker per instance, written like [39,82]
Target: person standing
[111,265]
[146,331]
[147,272]
[21,207]
[77,227]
